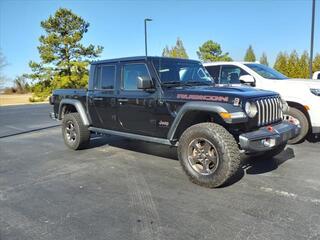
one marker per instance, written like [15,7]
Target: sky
[269,26]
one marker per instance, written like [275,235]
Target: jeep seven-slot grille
[269,110]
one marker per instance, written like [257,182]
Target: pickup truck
[174,102]
[302,95]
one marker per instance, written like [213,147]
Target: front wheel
[75,134]
[209,154]
[297,117]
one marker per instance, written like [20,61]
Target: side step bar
[134,136]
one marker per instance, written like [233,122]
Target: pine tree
[264,59]
[64,59]
[166,52]
[281,63]
[293,65]
[177,51]
[250,56]
[303,66]
[210,51]
[316,63]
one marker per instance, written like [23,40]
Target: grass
[15,99]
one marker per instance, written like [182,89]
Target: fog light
[268,142]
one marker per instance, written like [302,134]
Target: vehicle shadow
[313,138]
[135,145]
[254,165]
[251,165]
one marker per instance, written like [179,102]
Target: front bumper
[269,137]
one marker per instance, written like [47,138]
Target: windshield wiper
[186,83]
[171,83]
[192,83]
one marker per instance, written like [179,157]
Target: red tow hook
[270,128]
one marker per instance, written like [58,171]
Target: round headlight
[251,109]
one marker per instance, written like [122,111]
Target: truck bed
[79,94]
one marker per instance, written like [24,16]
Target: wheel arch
[72,105]
[192,113]
[302,109]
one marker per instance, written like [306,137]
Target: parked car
[173,102]
[316,75]
[302,95]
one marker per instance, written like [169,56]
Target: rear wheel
[297,117]
[75,134]
[208,154]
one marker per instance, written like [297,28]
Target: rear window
[105,77]
[97,77]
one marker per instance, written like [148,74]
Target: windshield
[266,72]
[181,72]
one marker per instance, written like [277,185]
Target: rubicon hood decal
[203,97]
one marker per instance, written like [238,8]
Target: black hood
[217,93]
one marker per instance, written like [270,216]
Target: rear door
[102,98]
[136,107]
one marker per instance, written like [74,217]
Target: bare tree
[3,64]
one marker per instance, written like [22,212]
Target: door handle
[123,100]
[98,98]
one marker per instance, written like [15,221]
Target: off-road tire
[226,147]
[304,124]
[82,137]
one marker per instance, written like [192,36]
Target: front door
[230,74]
[135,106]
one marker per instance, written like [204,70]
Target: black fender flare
[237,113]
[80,109]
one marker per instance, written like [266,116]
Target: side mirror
[144,82]
[247,79]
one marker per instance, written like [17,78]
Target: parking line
[293,196]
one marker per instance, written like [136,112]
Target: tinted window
[97,77]
[107,77]
[214,72]
[131,72]
[231,74]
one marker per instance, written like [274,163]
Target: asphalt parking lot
[24,118]
[122,189]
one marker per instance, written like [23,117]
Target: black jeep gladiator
[174,102]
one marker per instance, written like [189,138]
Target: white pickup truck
[302,95]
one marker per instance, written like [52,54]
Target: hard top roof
[138,58]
